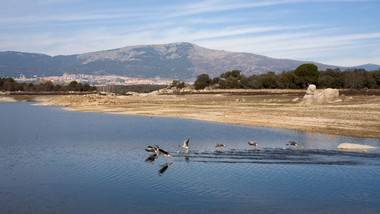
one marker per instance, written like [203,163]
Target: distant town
[94,80]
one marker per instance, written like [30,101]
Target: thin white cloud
[178,23]
[209,6]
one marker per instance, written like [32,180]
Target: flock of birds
[156,150]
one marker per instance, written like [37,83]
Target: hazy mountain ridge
[174,61]
[368,67]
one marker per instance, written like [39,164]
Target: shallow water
[53,161]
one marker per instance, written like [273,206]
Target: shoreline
[357,116]
[310,131]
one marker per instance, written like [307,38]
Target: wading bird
[163,152]
[252,143]
[152,149]
[292,143]
[219,145]
[185,144]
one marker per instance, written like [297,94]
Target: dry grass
[354,116]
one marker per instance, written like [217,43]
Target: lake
[55,161]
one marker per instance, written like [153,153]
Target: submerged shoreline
[356,116]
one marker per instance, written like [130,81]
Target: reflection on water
[53,161]
[151,158]
[163,168]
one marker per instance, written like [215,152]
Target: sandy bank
[354,116]
[355,147]
[7,99]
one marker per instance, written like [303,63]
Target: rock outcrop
[318,97]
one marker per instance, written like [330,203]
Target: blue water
[54,161]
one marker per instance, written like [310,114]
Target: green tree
[355,79]
[287,80]
[177,84]
[202,81]
[306,74]
[253,82]
[231,79]
[72,86]
[326,81]
[269,80]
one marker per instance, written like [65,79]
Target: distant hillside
[368,67]
[175,61]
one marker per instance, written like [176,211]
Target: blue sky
[339,32]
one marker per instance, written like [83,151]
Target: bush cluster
[300,78]
[9,84]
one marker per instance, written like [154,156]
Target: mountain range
[182,61]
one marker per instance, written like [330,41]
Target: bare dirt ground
[357,115]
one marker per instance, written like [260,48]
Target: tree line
[299,78]
[9,84]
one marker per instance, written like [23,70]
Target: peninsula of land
[354,114]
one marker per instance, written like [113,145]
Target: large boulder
[328,95]
[314,96]
[311,89]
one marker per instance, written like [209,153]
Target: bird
[219,145]
[185,144]
[163,152]
[292,143]
[252,143]
[152,149]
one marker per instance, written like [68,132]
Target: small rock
[311,89]
[354,147]
[295,99]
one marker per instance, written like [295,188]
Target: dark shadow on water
[163,168]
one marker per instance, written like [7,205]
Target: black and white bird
[152,149]
[163,152]
[157,150]
[252,143]
[185,144]
[219,145]
[292,143]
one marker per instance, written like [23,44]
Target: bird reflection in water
[186,155]
[151,158]
[163,168]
